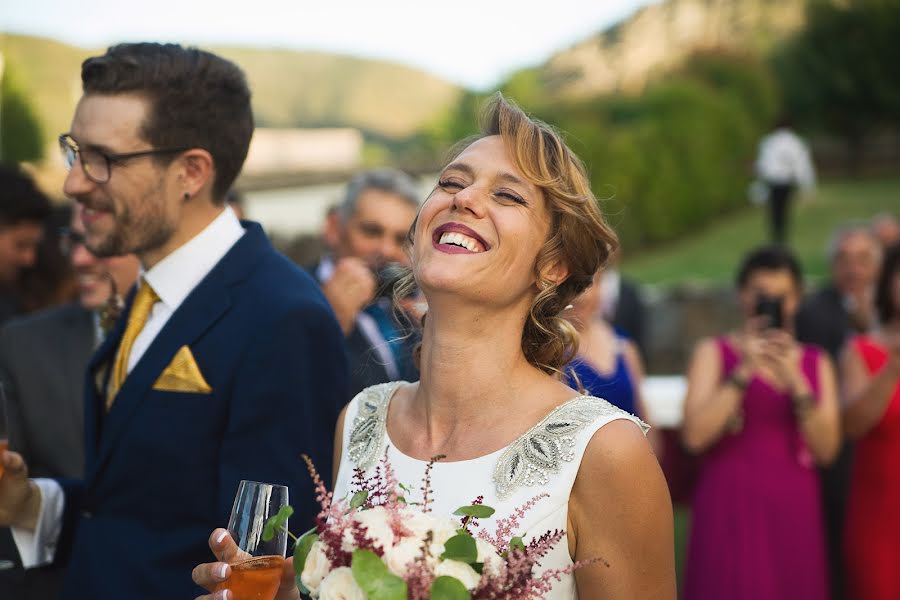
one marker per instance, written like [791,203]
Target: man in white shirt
[227,363]
[783,164]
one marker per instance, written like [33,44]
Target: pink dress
[757,525]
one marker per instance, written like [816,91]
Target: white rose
[401,554]
[340,585]
[487,554]
[316,568]
[378,529]
[458,570]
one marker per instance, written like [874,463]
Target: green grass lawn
[711,255]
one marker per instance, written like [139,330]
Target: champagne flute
[256,572]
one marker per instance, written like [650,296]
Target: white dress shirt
[173,279]
[784,159]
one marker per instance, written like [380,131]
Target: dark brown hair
[884,290]
[197,100]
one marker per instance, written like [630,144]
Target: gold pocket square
[182,375]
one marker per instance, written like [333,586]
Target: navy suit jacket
[162,468]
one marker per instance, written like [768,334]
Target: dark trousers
[835,481]
[779,201]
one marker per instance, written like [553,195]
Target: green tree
[20,130]
[840,74]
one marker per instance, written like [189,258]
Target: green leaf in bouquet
[448,588]
[301,551]
[517,542]
[460,547]
[359,498]
[374,578]
[478,511]
[279,521]
[478,567]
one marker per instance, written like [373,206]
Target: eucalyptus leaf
[301,551]
[460,547]
[517,542]
[373,577]
[448,588]
[302,547]
[359,498]
[479,511]
[274,523]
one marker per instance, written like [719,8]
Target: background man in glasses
[42,361]
[227,363]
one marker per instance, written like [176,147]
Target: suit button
[86,514]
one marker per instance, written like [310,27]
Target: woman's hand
[782,357]
[213,576]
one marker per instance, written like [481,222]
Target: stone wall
[678,317]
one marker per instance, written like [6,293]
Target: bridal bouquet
[376,545]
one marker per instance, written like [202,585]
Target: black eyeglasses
[96,164]
[69,239]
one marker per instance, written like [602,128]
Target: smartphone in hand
[772,309]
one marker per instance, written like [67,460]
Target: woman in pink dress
[871,377]
[762,410]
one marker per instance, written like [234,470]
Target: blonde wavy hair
[579,236]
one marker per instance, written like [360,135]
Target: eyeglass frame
[67,143]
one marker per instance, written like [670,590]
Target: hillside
[291,89]
[657,38]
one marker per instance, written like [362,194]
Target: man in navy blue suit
[228,362]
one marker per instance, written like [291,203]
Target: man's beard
[132,235]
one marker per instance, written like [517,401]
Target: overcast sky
[472,42]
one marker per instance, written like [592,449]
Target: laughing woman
[509,236]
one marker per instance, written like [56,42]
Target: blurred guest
[364,234]
[886,227]
[762,409]
[871,380]
[842,308]
[622,305]
[49,281]
[783,164]
[43,358]
[608,365]
[23,211]
[845,305]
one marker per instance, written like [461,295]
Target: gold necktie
[144,300]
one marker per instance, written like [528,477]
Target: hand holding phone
[771,308]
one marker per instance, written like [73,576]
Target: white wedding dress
[544,460]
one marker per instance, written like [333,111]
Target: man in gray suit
[42,361]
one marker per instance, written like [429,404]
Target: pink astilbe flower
[419,574]
[426,484]
[507,527]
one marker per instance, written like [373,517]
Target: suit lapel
[203,307]
[95,384]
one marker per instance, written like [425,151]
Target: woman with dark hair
[870,368]
[507,239]
[762,410]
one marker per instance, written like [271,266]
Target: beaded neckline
[531,459]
